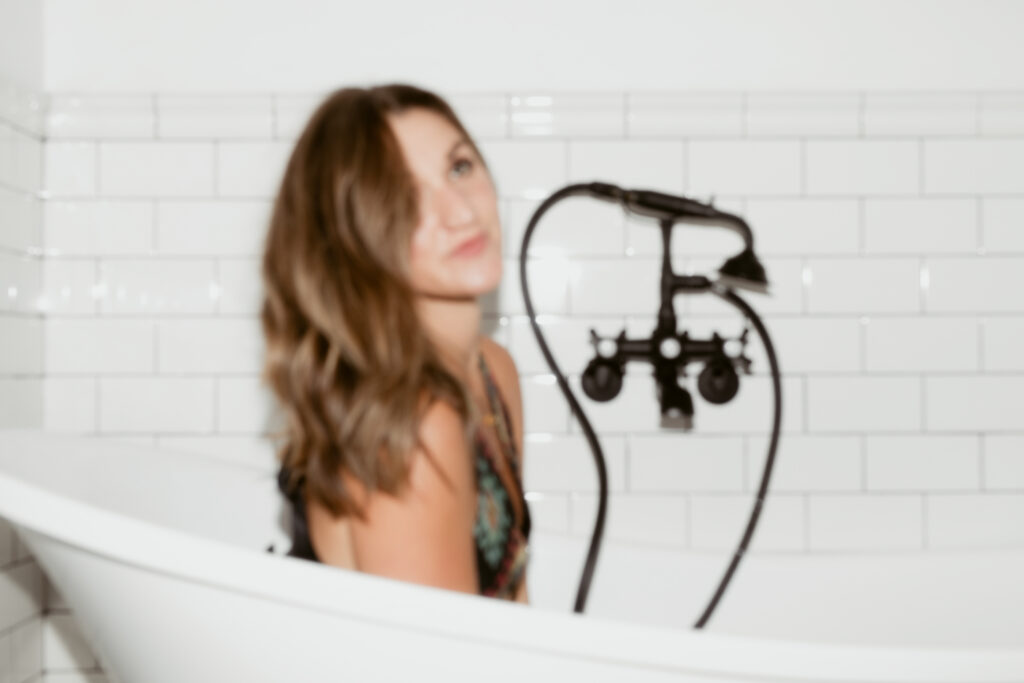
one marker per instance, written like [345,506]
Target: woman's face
[458,205]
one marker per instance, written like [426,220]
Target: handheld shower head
[743,270]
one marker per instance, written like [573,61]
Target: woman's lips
[472,246]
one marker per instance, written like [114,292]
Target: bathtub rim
[161,549]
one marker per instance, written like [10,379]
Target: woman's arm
[425,535]
[521,595]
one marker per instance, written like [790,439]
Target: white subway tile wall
[891,226]
[22,361]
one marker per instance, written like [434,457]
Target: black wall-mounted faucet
[667,349]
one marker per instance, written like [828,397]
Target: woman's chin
[485,288]
[472,280]
[486,279]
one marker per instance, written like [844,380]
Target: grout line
[920,166]
[97,280]
[982,454]
[685,165]
[923,382]
[803,167]
[744,115]
[216,169]
[982,367]
[863,342]
[9,631]
[924,520]
[156,347]
[21,130]
[98,168]
[573,375]
[154,237]
[807,521]
[978,96]
[625,115]
[508,115]
[216,404]
[688,527]
[779,196]
[30,193]
[627,460]
[922,290]
[745,462]
[155,102]
[862,228]
[806,404]
[979,228]
[273,117]
[217,283]
[861,115]
[804,293]
[862,442]
[610,257]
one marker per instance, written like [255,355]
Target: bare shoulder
[439,459]
[442,442]
[497,356]
[425,534]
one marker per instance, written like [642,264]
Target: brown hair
[346,355]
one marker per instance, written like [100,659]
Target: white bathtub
[161,556]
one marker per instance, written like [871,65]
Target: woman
[404,424]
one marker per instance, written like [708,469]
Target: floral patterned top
[501,536]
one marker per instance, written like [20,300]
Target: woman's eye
[467,162]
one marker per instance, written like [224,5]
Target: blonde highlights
[346,355]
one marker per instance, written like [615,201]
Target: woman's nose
[454,208]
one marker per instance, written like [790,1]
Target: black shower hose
[602,473]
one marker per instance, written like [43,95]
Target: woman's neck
[454,326]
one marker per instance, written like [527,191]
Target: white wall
[21,43]
[266,45]
[889,219]
[22,583]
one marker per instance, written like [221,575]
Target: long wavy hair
[346,354]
